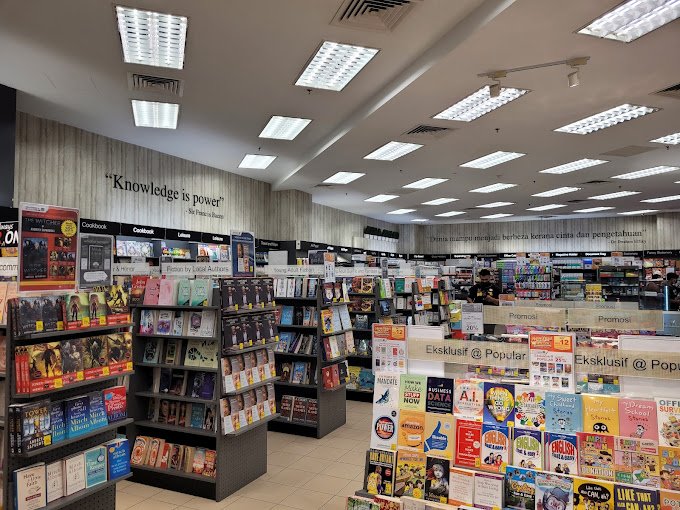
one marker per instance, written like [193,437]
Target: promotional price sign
[473,318]
[389,348]
[551,360]
[96,261]
[329,267]
[242,254]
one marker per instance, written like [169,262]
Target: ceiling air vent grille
[425,131]
[156,84]
[628,151]
[577,201]
[672,91]
[381,15]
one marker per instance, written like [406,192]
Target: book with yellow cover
[592,494]
[411,434]
[601,414]
[439,435]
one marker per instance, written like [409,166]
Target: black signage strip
[182,235]
[9,214]
[128,229]
[358,251]
[565,254]
[99,227]
[344,249]
[214,238]
[662,253]
[267,245]
[461,256]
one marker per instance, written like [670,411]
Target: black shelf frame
[68,387]
[243,389]
[173,473]
[174,428]
[32,338]
[177,367]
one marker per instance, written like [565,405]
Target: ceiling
[243,57]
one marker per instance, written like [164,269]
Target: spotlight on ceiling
[573,78]
[495,90]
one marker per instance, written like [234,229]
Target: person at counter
[484,292]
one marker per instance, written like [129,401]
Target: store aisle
[303,473]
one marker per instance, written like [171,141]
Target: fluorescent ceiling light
[494,216]
[450,213]
[594,209]
[661,199]
[334,65]
[381,198]
[546,207]
[440,201]
[555,192]
[343,177]
[393,150]
[479,103]
[495,204]
[573,166]
[401,211]
[152,38]
[256,161]
[493,159]
[420,220]
[641,211]
[284,128]
[493,187]
[425,183]
[606,119]
[633,19]
[155,115]
[618,194]
[647,172]
[673,139]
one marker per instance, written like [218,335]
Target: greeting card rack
[99,497]
[331,404]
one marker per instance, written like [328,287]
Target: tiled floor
[302,473]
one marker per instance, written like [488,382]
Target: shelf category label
[525,316]
[309,270]
[135,269]
[191,269]
[649,320]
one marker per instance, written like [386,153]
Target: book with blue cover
[95,466]
[287,313]
[97,410]
[118,458]
[77,415]
[58,422]
[563,412]
[197,414]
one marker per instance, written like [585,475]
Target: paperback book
[469,399]
[596,455]
[562,454]
[379,472]
[410,474]
[437,480]
[563,412]
[527,448]
[495,451]
[554,492]
[520,488]
[499,403]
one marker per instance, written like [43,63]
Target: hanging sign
[308,270]
[648,320]
[525,316]
[135,269]
[473,318]
[193,269]
[242,253]
[96,260]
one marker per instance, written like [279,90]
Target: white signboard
[135,269]
[9,267]
[473,318]
[193,269]
[315,269]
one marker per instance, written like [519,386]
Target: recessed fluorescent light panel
[555,192]
[256,161]
[334,65]
[284,128]
[606,119]
[647,172]
[401,211]
[618,194]
[343,177]
[594,209]
[573,166]
[661,199]
[673,139]
[393,150]
[420,220]
[425,183]
[493,159]
[450,213]
[633,19]
[641,211]
[495,204]
[152,38]
[381,198]
[479,103]
[495,216]
[493,187]
[155,115]
[547,207]
[440,201]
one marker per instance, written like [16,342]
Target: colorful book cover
[562,453]
[563,412]
[635,498]
[152,291]
[668,417]
[118,457]
[596,455]
[636,461]
[54,476]
[637,418]
[200,292]
[669,467]
[77,310]
[412,392]
[439,395]
[45,366]
[57,422]
[97,308]
[527,448]
[385,411]
[411,434]
[117,300]
[489,491]
[137,290]
[601,414]
[115,401]
[183,292]
[468,443]
[499,403]
[97,410]
[593,494]
[164,322]
[72,361]
[139,450]
[439,435]
[95,466]
[554,492]
[461,487]
[437,480]
[379,472]
[95,357]
[409,478]
[77,415]
[520,488]
[120,352]
[529,407]
[468,399]
[36,430]
[669,500]
[495,452]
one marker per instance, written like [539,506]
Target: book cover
[411,432]
[527,448]
[54,477]
[95,357]
[638,418]
[57,422]
[461,487]
[72,363]
[412,392]
[97,410]
[45,366]
[326,320]
[178,382]
[410,474]
[201,353]
[120,352]
[200,292]
[495,453]
[97,309]
[468,443]
[77,310]
[183,292]
[74,474]
[636,461]
[468,399]
[593,494]
[529,407]
[137,290]
[668,418]
[437,480]
[118,457]
[52,313]
[210,467]
[77,415]
[520,488]
[168,292]
[554,492]
[596,455]
[164,320]
[115,401]
[439,395]
[152,350]
[439,435]
[117,296]
[36,429]
[95,466]
[299,409]
[562,454]
[197,415]
[499,403]
[669,500]
[178,324]
[669,467]
[601,414]
[30,487]
[563,412]
[198,464]
[139,450]
[152,291]
[489,490]
[173,350]
[379,473]
[155,449]
[635,498]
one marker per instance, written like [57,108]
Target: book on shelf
[74,474]
[95,466]
[30,487]
[115,401]
[379,473]
[118,458]
[173,457]
[54,479]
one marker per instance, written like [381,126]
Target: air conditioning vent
[425,131]
[594,182]
[379,15]
[155,84]
[672,91]
[576,201]
[631,150]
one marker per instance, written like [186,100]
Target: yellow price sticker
[106,371]
[128,366]
[60,325]
[274,303]
[39,326]
[69,228]
[58,382]
[102,321]
[80,376]
[86,322]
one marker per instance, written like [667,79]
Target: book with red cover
[327,376]
[115,401]
[336,375]
[468,443]
[152,291]
[137,290]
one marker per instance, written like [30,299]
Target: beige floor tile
[196,503]
[138,489]
[341,442]
[292,477]
[345,432]
[307,500]
[336,503]
[266,491]
[166,496]
[344,470]
[355,458]
[272,469]
[123,483]
[311,464]
[328,484]
[150,504]
[361,446]
[249,504]
[125,501]
[327,452]
[283,459]
[300,448]
[351,487]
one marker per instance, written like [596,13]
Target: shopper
[673,291]
[484,292]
